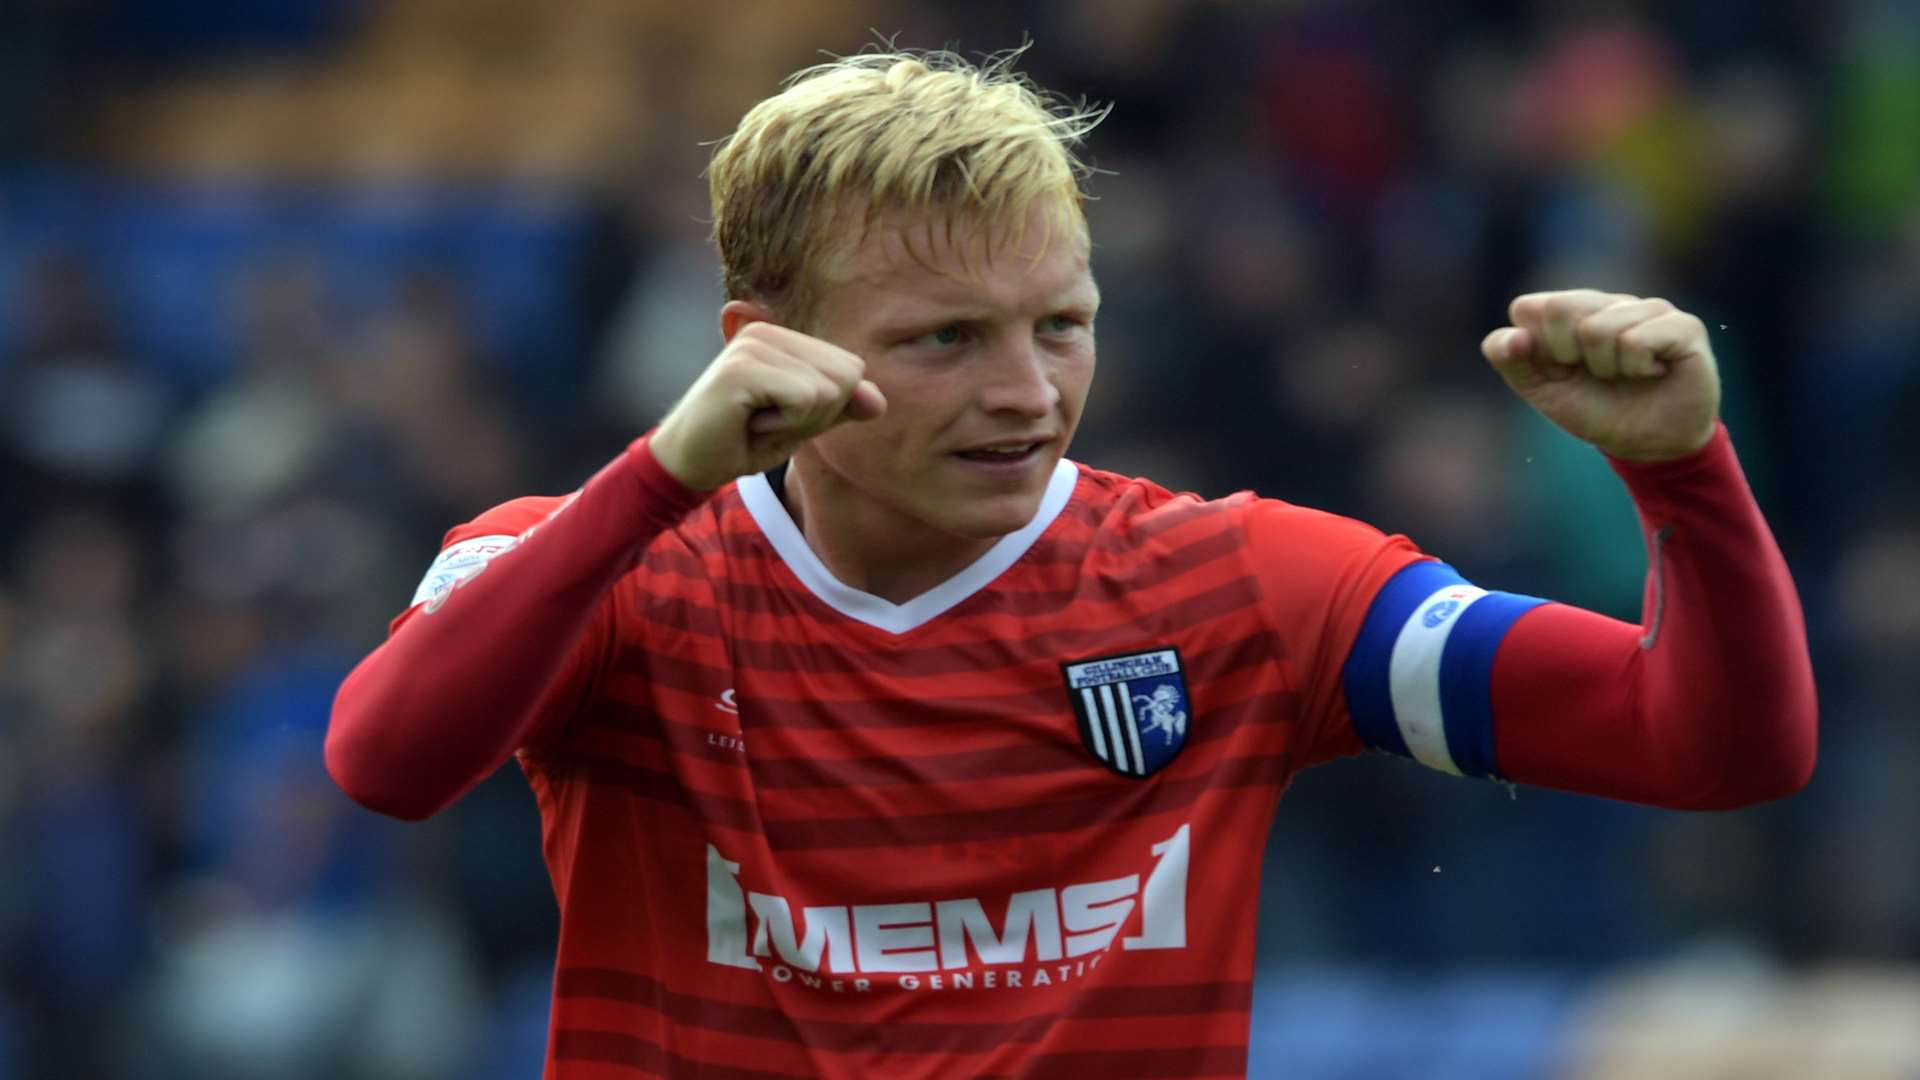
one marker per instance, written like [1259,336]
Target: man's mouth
[1002,453]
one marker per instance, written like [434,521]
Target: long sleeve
[1709,703]
[474,671]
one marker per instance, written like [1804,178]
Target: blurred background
[288,289]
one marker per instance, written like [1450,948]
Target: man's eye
[1059,324]
[946,335]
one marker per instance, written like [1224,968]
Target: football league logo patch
[1133,708]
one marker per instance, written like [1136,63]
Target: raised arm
[1709,702]
[496,647]
[502,642]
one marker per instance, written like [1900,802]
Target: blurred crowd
[288,290]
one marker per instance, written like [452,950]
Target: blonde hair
[863,135]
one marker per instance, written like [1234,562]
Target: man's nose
[1021,381]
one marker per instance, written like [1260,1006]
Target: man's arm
[480,666]
[1708,703]
[477,666]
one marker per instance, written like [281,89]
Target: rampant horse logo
[1123,701]
[1161,712]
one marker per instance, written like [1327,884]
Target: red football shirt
[1013,826]
[797,830]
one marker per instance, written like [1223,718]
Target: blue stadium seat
[173,259]
[1344,1023]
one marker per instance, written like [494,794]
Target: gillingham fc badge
[1133,708]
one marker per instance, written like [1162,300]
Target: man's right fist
[768,391]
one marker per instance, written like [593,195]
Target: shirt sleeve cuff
[663,495]
[1713,454]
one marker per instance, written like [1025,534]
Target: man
[919,750]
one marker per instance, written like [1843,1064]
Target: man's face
[984,350]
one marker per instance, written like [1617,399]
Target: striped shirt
[1013,826]
[1010,828]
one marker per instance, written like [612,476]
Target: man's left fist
[1634,377]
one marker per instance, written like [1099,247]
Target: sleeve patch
[1419,678]
[457,565]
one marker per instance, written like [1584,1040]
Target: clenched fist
[1634,377]
[768,391]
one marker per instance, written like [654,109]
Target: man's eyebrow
[921,309]
[931,317]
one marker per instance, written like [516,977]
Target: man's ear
[736,314]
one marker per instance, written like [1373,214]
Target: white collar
[774,521]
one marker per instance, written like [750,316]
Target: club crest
[1133,708]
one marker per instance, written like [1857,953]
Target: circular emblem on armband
[1439,612]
